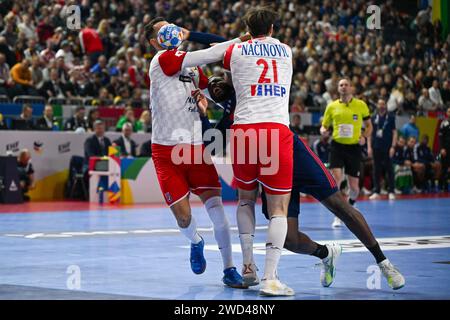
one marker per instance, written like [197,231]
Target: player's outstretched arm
[204,38]
[209,55]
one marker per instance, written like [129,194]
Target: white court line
[348,245]
[108,233]
[352,245]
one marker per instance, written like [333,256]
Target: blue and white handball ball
[170,36]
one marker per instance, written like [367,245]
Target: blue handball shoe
[198,262]
[233,279]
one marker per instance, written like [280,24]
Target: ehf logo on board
[38,147]
[13,186]
[12,147]
[64,147]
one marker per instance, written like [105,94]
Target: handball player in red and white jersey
[177,146]
[261,142]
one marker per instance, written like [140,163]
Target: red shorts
[262,152]
[177,177]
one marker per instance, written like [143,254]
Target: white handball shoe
[337,223]
[374,196]
[249,275]
[274,288]
[391,196]
[392,274]
[328,272]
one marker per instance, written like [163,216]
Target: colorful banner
[440,11]
[50,156]
[430,127]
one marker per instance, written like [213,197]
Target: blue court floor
[139,254]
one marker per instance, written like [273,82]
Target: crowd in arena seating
[405,63]
[106,61]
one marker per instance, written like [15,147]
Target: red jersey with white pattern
[261,70]
[175,118]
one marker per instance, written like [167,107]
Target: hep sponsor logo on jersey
[263,50]
[267,90]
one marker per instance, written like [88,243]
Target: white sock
[276,236]
[216,213]
[353,194]
[191,232]
[246,225]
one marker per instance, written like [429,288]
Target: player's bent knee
[209,194]
[183,221]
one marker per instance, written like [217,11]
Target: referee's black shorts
[347,156]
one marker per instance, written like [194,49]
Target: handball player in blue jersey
[310,176]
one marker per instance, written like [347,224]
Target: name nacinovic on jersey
[265,50]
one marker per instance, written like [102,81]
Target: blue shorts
[310,177]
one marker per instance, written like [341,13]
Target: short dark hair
[149,28]
[26,106]
[79,108]
[260,20]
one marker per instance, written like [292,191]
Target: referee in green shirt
[346,117]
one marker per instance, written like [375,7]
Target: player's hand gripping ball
[170,36]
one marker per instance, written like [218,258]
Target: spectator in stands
[25,120]
[53,88]
[27,27]
[101,68]
[427,168]
[322,146]
[31,51]
[37,75]
[63,70]
[146,149]
[410,103]
[296,125]
[444,142]
[93,115]
[146,121]
[96,145]
[435,95]
[410,129]
[47,121]
[47,54]
[128,116]
[91,88]
[9,54]
[318,101]
[137,74]
[91,43]
[26,173]
[127,145]
[114,83]
[136,99]
[21,75]
[66,52]
[77,122]
[9,32]
[445,92]
[425,103]
[44,30]
[402,169]
[6,81]
[381,147]
[298,105]
[410,161]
